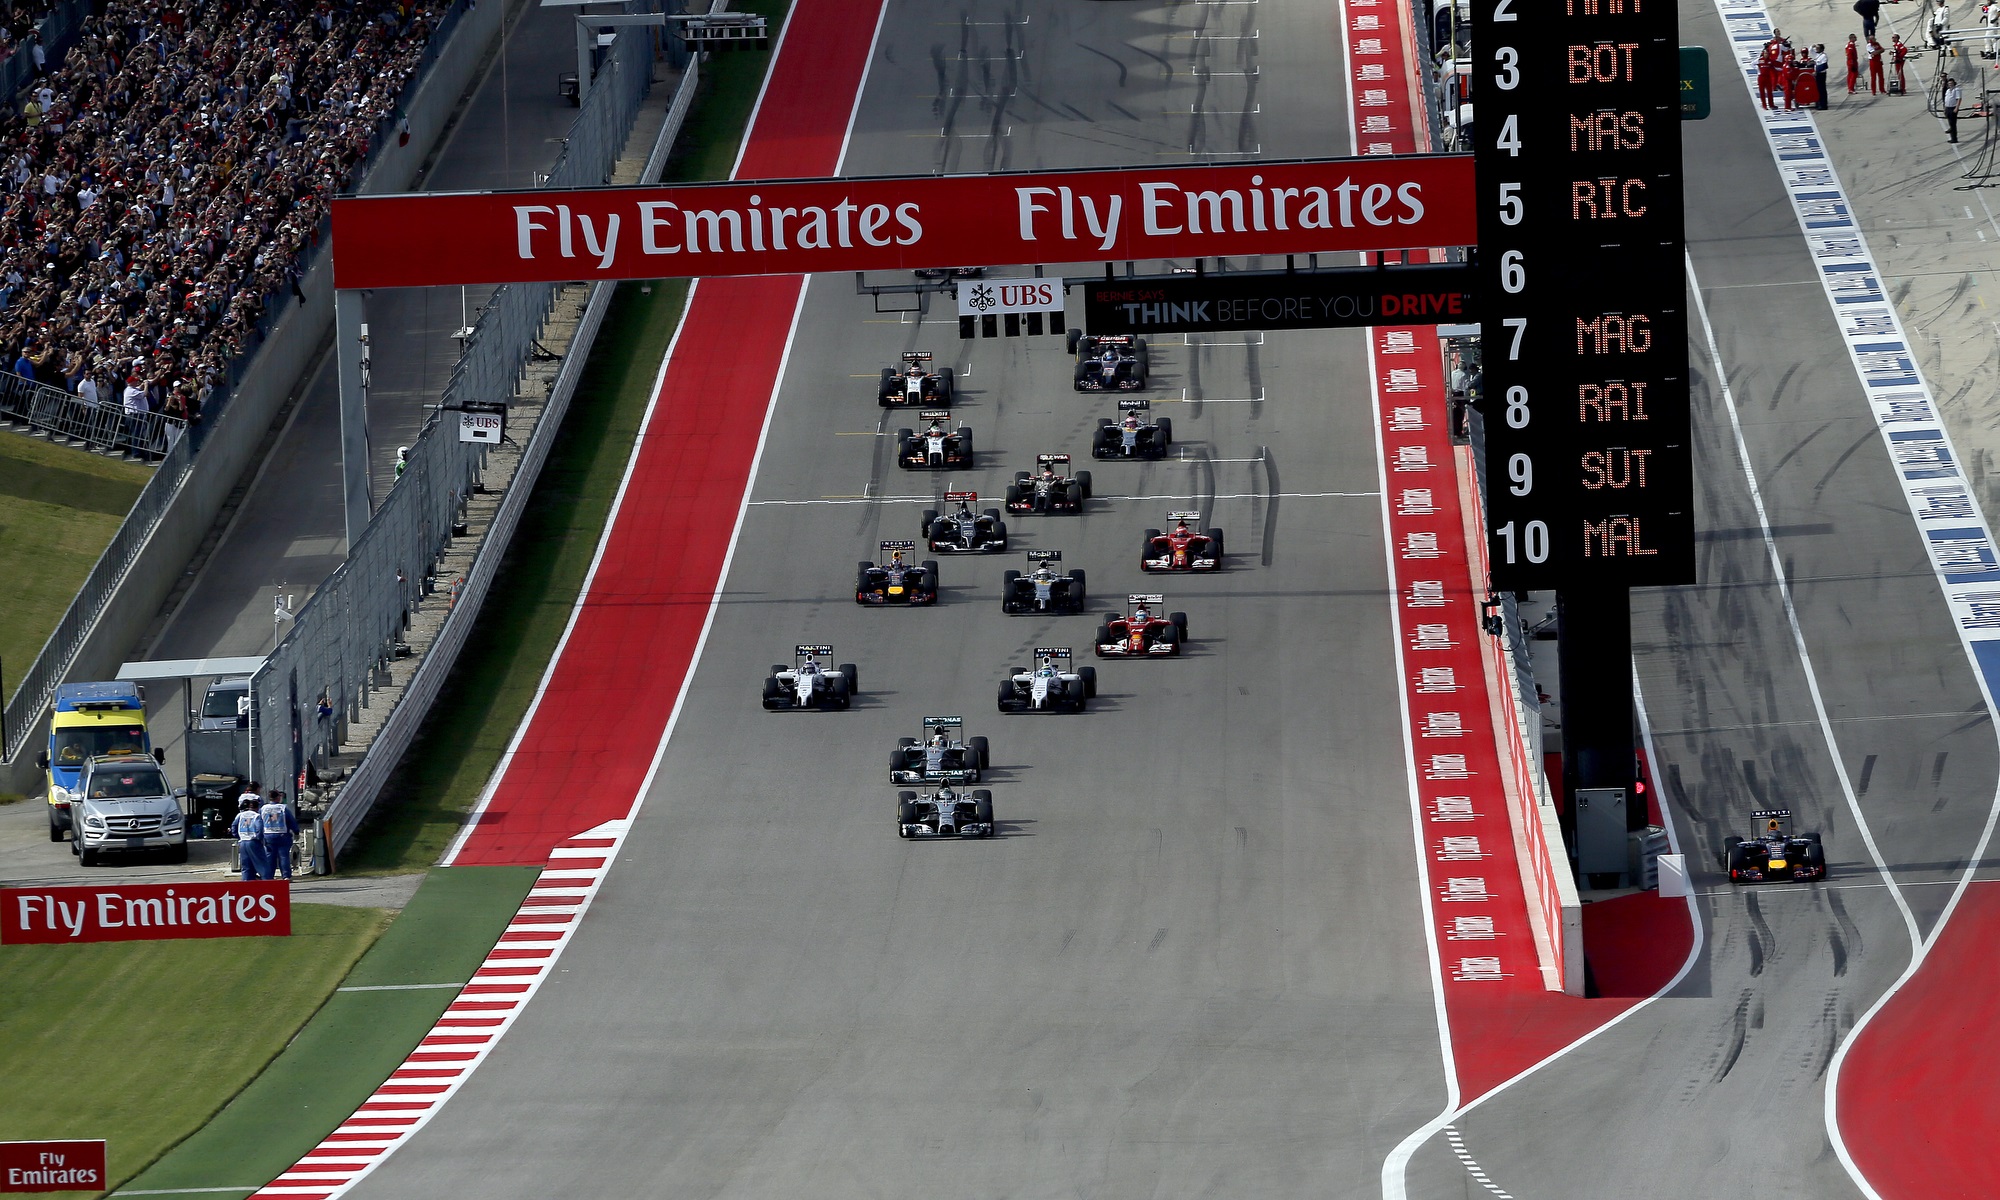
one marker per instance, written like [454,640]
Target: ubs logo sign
[978,298]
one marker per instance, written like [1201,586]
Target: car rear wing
[1763,813]
[803,651]
[1149,599]
[934,414]
[1044,556]
[961,497]
[1061,652]
[933,724]
[1134,404]
[917,357]
[1184,516]
[899,544]
[1051,459]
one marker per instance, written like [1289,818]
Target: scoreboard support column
[1594,643]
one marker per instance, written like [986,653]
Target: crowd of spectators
[163,183]
[19,23]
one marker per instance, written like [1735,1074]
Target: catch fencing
[331,663]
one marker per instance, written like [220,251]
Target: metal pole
[349,330]
[1594,639]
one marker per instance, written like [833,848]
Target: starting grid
[1956,535]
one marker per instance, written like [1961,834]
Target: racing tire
[1073,496]
[1070,340]
[1151,533]
[1013,494]
[929,519]
[1077,379]
[1080,593]
[978,747]
[1007,581]
[982,807]
[898,758]
[1215,539]
[841,697]
[903,742]
[1815,854]
[886,387]
[906,811]
[991,514]
[853,674]
[931,568]
[1179,621]
[1089,675]
[1020,479]
[1000,531]
[1728,854]
[1007,694]
[773,691]
[1166,426]
[1083,481]
[947,385]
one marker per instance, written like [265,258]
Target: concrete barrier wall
[275,373]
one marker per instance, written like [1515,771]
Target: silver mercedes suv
[123,806]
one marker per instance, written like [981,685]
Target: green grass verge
[140,1042]
[488,692]
[354,1041]
[59,507]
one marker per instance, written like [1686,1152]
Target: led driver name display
[1581,288]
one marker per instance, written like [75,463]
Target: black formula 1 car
[942,754]
[1048,490]
[1048,686]
[916,384]
[1137,434]
[945,812]
[807,684]
[1115,363]
[1181,548]
[1041,590]
[1140,632]
[896,580]
[962,530]
[936,446]
[1775,853]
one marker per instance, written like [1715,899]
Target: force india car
[1048,490]
[1181,548]
[1041,590]
[946,812]
[1109,364]
[936,446]
[1142,634]
[1775,853]
[1048,686]
[916,384]
[963,531]
[942,754]
[807,684]
[1134,436]
[896,580]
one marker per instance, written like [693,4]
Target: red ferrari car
[1181,548]
[1141,633]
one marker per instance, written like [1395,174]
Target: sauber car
[896,580]
[916,384]
[935,446]
[942,754]
[1137,434]
[1048,686]
[945,812]
[1048,490]
[1041,590]
[1181,548]
[1116,363]
[1775,853]
[1140,632]
[962,530]
[809,684]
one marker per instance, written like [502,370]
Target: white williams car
[808,684]
[1049,686]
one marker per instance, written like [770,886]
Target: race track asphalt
[1194,962]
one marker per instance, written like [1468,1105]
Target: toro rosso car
[946,812]
[1048,490]
[963,531]
[1048,686]
[1775,853]
[807,684]
[936,446]
[1041,590]
[1181,548]
[916,384]
[1142,634]
[896,580]
[1109,364]
[1136,435]
[942,754]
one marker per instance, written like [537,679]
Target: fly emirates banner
[801,226]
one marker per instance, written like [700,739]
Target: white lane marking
[1791,612]
[1842,887]
[836,500]
[493,781]
[399,987]
[1187,339]
[181,1191]
[1256,399]
[1196,110]
[1472,1168]
[860,90]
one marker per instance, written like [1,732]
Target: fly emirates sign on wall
[802,226]
[144,912]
